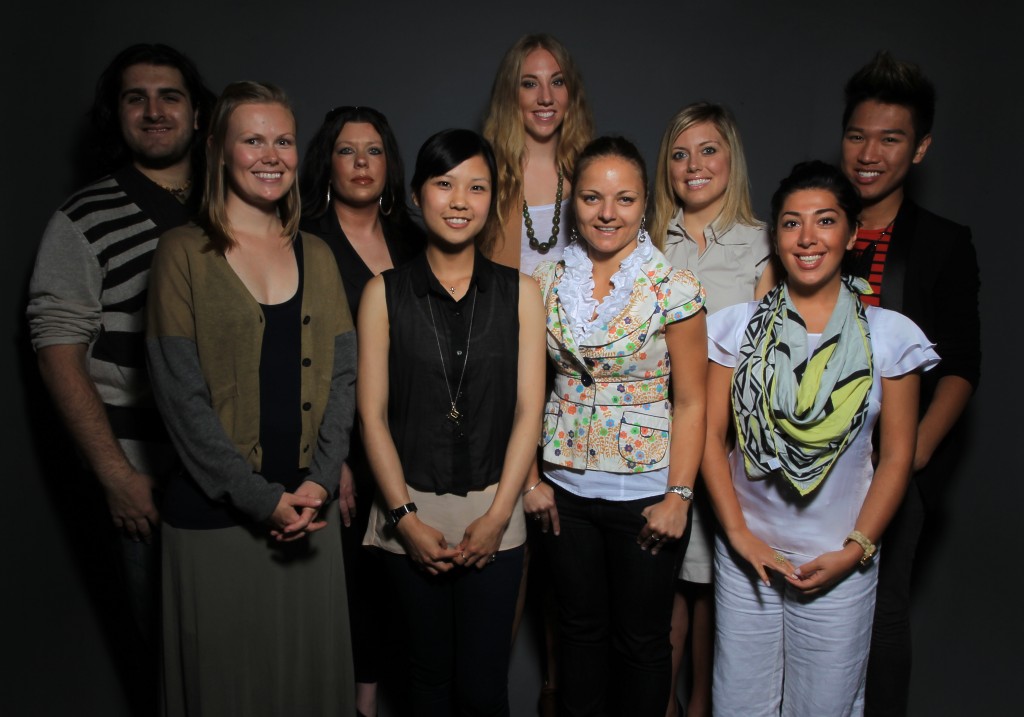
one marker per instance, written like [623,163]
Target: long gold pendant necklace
[454,415]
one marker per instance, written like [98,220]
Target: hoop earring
[380,203]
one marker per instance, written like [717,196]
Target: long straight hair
[737,208]
[213,211]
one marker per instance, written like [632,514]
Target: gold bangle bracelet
[866,545]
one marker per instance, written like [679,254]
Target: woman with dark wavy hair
[352,184]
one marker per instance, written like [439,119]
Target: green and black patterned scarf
[797,414]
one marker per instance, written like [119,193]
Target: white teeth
[545,115]
[810,259]
[695,183]
[268,175]
[457,220]
[867,174]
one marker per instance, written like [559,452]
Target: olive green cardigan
[204,337]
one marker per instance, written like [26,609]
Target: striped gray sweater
[89,287]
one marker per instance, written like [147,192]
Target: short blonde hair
[504,127]
[737,208]
[213,213]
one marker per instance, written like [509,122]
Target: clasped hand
[296,513]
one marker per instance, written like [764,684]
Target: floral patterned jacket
[610,408]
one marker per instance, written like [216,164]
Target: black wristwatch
[400,512]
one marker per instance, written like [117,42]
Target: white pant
[778,651]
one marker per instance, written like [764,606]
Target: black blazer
[931,276]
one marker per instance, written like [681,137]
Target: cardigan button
[306,319]
[307,406]
[307,362]
[586,380]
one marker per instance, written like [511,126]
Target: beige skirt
[252,627]
[451,514]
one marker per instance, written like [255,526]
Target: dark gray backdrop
[429,65]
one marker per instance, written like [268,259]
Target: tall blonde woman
[252,357]
[538,122]
[703,219]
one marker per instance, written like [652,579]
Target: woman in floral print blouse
[621,445]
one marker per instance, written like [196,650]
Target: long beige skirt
[251,627]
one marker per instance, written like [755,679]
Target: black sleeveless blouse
[439,454]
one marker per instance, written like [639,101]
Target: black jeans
[458,633]
[614,608]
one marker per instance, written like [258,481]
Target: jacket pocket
[643,439]
[552,412]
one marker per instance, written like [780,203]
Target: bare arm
[896,453]
[129,492]
[688,351]
[483,535]
[424,544]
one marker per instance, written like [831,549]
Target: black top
[438,454]
[185,504]
[404,241]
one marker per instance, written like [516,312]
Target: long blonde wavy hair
[504,127]
[737,208]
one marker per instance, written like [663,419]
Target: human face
[156,115]
[543,96]
[699,167]
[455,204]
[812,236]
[879,148]
[609,207]
[358,167]
[260,154]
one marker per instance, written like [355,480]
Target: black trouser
[888,681]
[458,633]
[614,608]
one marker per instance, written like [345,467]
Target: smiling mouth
[457,221]
[267,175]
[809,259]
[868,173]
[697,183]
[544,114]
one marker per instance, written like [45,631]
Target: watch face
[683,491]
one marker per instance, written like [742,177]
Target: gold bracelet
[866,545]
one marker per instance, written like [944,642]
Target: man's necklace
[454,415]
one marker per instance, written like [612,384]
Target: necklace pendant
[454,415]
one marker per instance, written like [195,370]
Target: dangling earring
[574,238]
[380,203]
[328,206]
[641,236]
